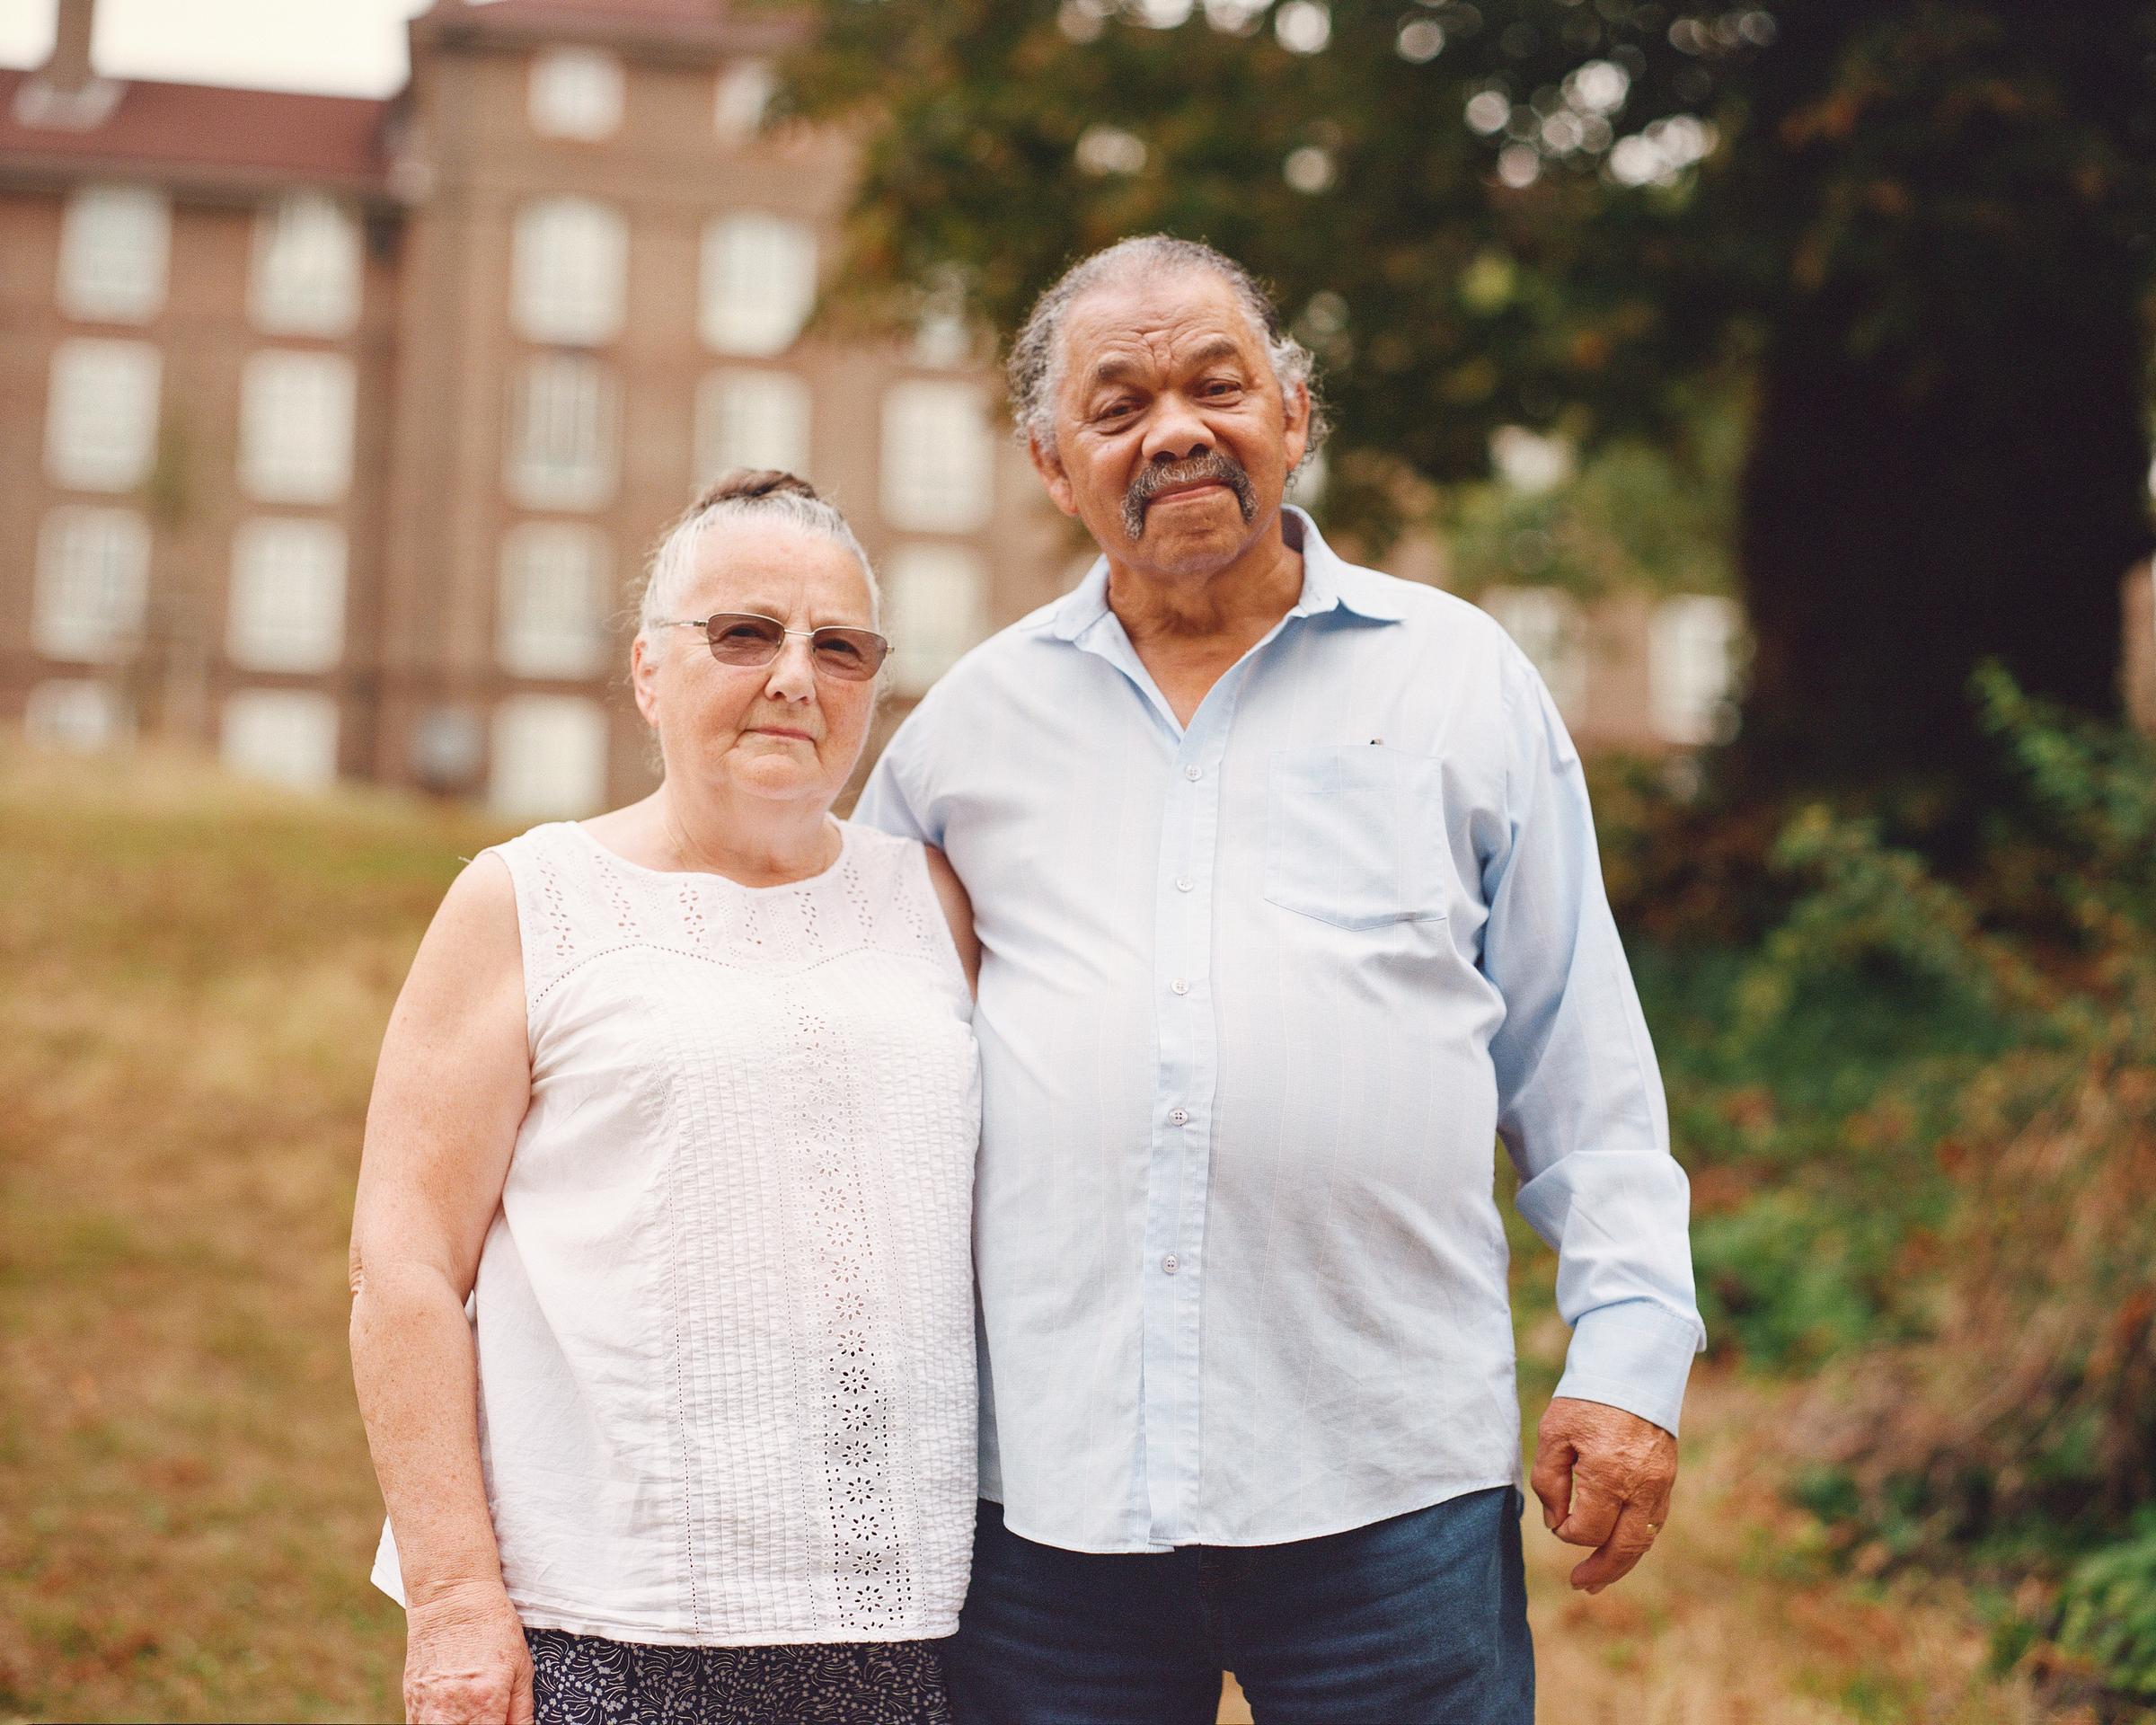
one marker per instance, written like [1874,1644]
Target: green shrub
[2107,1612]
[2017,1423]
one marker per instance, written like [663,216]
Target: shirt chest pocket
[1350,835]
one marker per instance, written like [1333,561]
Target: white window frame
[283,737]
[935,606]
[1547,625]
[576,93]
[752,417]
[296,426]
[569,271]
[938,470]
[742,97]
[549,754]
[100,413]
[92,585]
[561,451]
[115,252]
[551,619]
[1695,648]
[77,712]
[306,275]
[286,609]
[757,284]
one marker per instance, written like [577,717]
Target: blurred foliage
[1921,1120]
[1913,236]
[2107,1613]
[1637,515]
[1008,136]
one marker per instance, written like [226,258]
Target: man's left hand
[1604,1477]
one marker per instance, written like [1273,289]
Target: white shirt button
[1171,1264]
[1194,772]
[1180,986]
[1179,1115]
[1183,883]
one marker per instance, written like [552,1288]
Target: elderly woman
[663,1312]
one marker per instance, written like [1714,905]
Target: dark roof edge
[34,171]
[653,37]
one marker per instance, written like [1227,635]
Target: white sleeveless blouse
[724,1319]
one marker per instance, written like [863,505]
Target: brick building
[336,429]
[332,431]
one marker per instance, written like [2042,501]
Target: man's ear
[1048,464]
[1295,412]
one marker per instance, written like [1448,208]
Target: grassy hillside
[196,976]
[193,979]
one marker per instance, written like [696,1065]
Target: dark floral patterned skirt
[586,1680]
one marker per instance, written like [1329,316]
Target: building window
[1693,646]
[575,92]
[295,426]
[287,596]
[93,583]
[550,757]
[568,270]
[751,419]
[563,414]
[101,418]
[745,90]
[553,601]
[1546,624]
[934,609]
[939,457]
[305,276]
[114,241]
[74,713]
[287,737]
[759,283]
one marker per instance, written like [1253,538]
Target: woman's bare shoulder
[471,950]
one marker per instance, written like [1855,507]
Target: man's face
[1173,441]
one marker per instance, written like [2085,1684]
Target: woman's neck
[754,840]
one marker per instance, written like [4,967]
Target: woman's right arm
[450,1094]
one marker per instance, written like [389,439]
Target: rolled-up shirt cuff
[1635,1355]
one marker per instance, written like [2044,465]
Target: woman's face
[780,731]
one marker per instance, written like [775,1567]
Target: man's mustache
[1214,464]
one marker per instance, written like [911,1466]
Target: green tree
[1918,229]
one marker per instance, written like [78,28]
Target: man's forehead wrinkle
[1129,354]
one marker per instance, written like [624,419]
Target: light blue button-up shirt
[1258,997]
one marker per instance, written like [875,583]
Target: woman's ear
[643,677]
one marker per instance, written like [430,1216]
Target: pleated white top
[724,1319]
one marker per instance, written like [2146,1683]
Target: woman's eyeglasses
[744,638]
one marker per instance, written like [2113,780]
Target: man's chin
[1194,529]
[1185,547]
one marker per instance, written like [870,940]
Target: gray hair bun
[749,484]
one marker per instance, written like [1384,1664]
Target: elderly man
[1289,907]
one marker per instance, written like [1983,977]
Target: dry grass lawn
[196,976]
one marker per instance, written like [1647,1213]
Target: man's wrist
[1635,1355]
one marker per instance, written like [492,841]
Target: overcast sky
[350,47]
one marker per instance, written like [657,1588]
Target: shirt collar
[1329,583]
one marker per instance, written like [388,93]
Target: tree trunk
[1948,463]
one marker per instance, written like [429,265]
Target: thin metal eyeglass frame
[704,623]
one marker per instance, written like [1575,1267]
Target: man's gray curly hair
[1035,368]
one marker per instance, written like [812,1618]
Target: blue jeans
[1419,1620]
